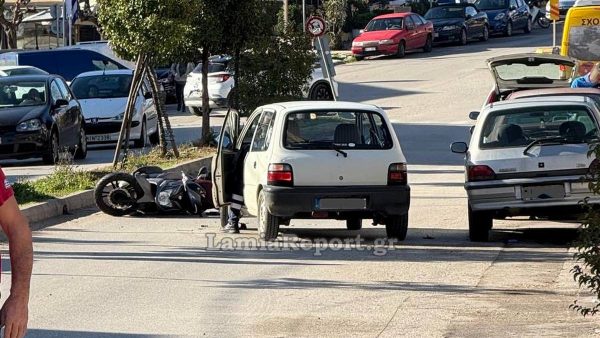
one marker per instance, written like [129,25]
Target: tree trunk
[206,134]
[123,142]
[164,126]
[238,79]
[11,35]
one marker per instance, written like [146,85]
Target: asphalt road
[97,276]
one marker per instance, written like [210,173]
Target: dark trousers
[179,95]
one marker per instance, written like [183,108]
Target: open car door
[223,162]
[531,71]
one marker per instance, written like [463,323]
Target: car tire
[195,111]
[359,58]
[81,150]
[480,224]
[52,154]
[154,138]
[428,44]
[268,225]
[486,33]
[321,92]
[464,38]
[396,227]
[529,27]
[509,29]
[142,141]
[401,49]
[354,224]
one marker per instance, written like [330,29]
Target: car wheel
[528,28]
[543,22]
[486,33]
[52,154]
[154,138]
[428,44]
[141,142]
[480,224]
[321,92]
[81,150]
[396,227]
[268,225]
[359,58]
[509,29]
[463,37]
[195,111]
[401,49]
[354,224]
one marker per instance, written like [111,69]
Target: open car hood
[531,71]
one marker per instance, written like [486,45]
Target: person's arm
[15,311]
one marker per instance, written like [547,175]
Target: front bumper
[509,198]
[19,146]
[105,131]
[375,50]
[301,202]
[446,36]
[498,26]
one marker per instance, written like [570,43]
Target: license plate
[436,35]
[370,49]
[543,192]
[101,138]
[341,204]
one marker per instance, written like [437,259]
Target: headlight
[31,125]
[164,198]
[499,16]
[119,117]
[449,28]
[387,42]
[357,44]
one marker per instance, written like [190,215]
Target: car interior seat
[293,134]
[345,134]
[572,130]
[511,135]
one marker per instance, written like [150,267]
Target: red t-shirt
[6,191]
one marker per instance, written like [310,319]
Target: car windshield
[584,43]
[445,13]
[24,71]
[384,24]
[108,86]
[519,128]
[22,93]
[546,70]
[486,5]
[336,130]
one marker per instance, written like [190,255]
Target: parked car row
[397,33]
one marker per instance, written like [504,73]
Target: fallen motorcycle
[152,190]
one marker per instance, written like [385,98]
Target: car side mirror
[474,115]
[471,130]
[361,31]
[61,103]
[459,147]
[148,95]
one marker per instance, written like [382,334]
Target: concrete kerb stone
[85,199]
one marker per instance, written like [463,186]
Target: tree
[336,12]
[10,25]
[151,32]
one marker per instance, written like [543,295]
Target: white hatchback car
[528,157]
[314,159]
[103,97]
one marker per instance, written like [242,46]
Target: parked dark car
[506,16]
[39,117]
[167,80]
[458,23]
[67,63]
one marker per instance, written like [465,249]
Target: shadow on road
[45,333]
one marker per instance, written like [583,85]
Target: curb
[85,199]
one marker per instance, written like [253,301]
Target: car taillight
[480,173]
[397,174]
[280,175]
[221,77]
[491,98]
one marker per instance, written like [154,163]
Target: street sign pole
[554,16]
[328,73]
[304,15]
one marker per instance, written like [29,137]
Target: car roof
[44,78]
[553,92]
[322,105]
[532,102]
[16,67]
[393,15]
[108,72]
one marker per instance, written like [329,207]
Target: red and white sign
[315,26]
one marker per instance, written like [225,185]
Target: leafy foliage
[587,273]
[336,12]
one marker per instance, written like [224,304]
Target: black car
[458,23]
[40,117]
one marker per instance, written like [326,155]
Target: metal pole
[327,72]
[285,13]
[64,24]
[554,34]
[304,16]
[57,25]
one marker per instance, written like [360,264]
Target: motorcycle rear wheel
[543,22]
[116,194]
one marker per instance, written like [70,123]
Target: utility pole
[285,13]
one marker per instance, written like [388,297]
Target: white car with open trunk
[314,160]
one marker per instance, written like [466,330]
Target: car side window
[253,123]
[410,25]
[513,3]
[55,92]
[264,129]
[64,89]
[471,11]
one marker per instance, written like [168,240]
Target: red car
[394,34]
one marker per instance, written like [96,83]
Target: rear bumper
[300,202]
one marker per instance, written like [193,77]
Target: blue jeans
[234,216]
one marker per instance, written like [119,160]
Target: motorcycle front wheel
[117,194]
[543,21]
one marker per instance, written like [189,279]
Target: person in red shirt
[15,311]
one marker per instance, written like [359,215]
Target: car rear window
[522,71]
[336,129]
[518,128]
[584,43]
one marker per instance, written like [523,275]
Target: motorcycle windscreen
[223,162]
